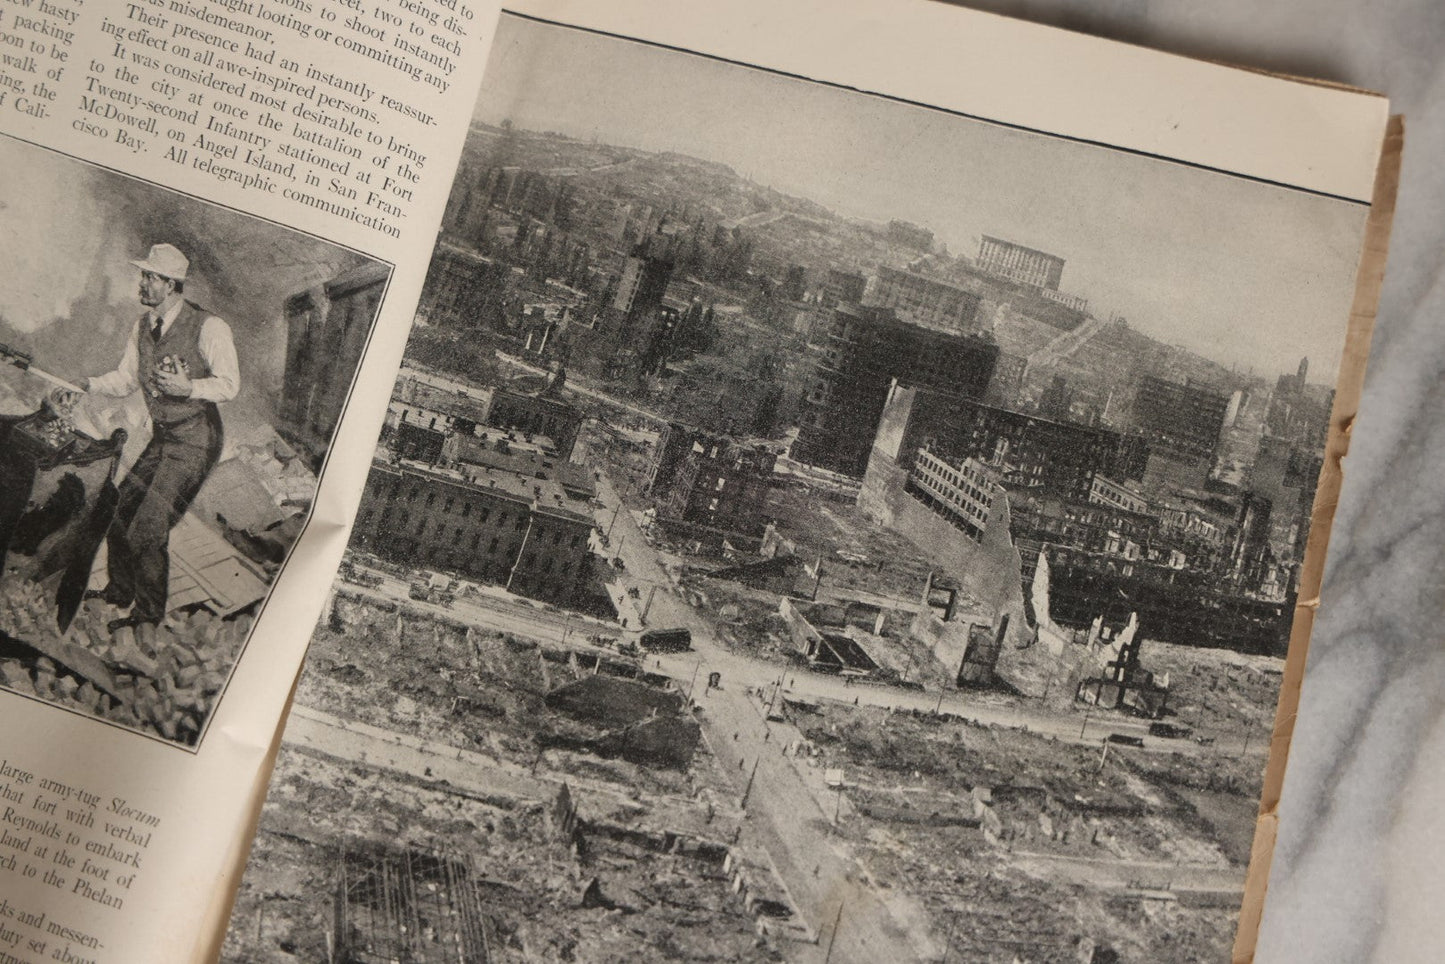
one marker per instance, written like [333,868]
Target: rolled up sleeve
[218,349]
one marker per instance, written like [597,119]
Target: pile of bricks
[167,688]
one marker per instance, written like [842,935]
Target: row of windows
[403,518]
[393,493]
[553,572]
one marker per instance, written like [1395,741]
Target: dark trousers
[157,492]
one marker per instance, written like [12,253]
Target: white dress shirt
[217,349]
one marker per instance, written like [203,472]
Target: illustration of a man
[183,360]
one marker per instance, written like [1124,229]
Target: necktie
[156,330]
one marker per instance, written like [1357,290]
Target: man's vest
[182,340]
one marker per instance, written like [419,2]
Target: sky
[1247,274]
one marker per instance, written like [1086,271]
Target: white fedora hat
[165,260]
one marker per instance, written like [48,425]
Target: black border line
[195,750]
[1365,202]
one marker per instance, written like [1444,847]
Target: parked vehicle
[359,577]
[666,640]
[1169,731]
[433,588]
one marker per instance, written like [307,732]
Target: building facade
[496,527]
[843,288]
[1025,451]
[927,301]
[1181,420]
[326,332]
[1024,265]
[1105,491]
[641,285]
[464,289]
[864,352]
[711,480]
[544,413]
[962,493]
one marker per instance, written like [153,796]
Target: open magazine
[757,482]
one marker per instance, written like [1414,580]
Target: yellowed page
[295,157]
[770,251]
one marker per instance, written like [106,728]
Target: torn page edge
[1369,280]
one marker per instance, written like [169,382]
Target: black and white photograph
[171,375]
[808,526]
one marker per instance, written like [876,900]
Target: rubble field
[1217,691]
[748,622]
[166,690]
[403,670]
[857,553]
[1023,845]
[547,896]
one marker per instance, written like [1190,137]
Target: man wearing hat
[183,360]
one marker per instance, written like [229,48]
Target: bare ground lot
[1019,844]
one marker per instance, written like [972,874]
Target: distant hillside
[690,194]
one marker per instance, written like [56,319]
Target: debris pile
[167,687]
[1022,843]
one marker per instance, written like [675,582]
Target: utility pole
[607,537]
[1087,711]
[749,788]
[621,501]
[948,945]
[692,682]
[833,936]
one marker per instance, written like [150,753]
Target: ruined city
[743,579]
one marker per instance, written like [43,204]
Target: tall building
[927,301]
[326,331]
[865,350]
[1022,451]
[711,480]
[843,288]
[641,285]
[1024,265]
[1298,412]
[1181,421]
[463,289]
[544,413]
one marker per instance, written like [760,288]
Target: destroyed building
[712,481]
[1014,488]
[926,301]
[1181,421]
[546,413]
[865,351]
[326,331]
